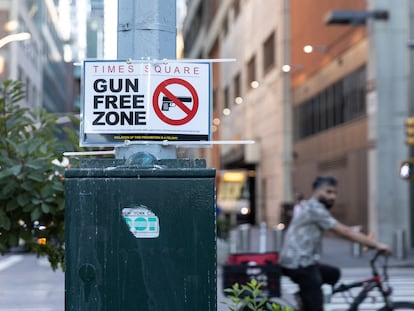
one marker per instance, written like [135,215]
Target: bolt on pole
[147,29]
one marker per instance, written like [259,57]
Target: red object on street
[263,267]
[254,258]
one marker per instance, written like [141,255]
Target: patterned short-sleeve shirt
[302,240]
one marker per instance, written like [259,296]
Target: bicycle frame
[375,282]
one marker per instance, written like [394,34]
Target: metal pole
[263,237]
[287,106]
[146,30]
[233,241]
[399,243]
[244,231]
[277,238]
[356,248]
[410,112]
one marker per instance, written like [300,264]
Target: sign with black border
[144,101]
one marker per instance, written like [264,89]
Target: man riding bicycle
[300,251]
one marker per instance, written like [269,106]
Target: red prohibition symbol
[162,89]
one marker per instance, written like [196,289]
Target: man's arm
[348,233]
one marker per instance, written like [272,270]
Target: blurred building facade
[95,30]
[350,102]
[40,61]
[249,95]
[329,105]
[338,110]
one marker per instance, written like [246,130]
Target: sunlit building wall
[249,100]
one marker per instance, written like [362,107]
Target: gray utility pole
[388,72]
[147,29]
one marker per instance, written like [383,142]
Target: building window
[225,26]
[226,95]
[215,101]
[251,71]
[20,74]
[213,9]
[194,27]
[28,89]
[34,97]
[339,103]
[236,8]
[354,95]
[237,86]
[269,53]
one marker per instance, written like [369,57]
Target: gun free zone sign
[144,102]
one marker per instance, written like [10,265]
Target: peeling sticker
[142,222]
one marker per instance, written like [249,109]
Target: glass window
[28,89]
[330,107]
[226,97]
[236,8]
[322,111]
[251,71]
[340,102]
[269,53]
[20,74]
[214,99]
[237,86]
[225,26]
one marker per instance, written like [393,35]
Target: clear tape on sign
[183,60]
[163,143]
[166,61]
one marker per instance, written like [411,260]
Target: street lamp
[356,18]
[14,37]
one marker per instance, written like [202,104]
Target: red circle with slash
[162,89]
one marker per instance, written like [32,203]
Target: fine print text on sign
[144,101]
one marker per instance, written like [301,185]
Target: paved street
[401,280]
[29,284]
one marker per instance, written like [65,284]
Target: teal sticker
[141,221]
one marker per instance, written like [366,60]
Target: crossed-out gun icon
[168,103]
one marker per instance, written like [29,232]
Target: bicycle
[377,281]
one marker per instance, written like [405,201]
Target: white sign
[145,101]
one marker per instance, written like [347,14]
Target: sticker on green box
[142,222]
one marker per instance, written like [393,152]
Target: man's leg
[310,281]
[330,274]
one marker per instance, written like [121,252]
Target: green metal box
[140,239]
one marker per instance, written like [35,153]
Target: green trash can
[140,238]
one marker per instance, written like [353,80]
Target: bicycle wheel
[399,305]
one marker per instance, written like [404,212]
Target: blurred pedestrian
[299,201]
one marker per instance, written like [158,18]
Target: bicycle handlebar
[374,268]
